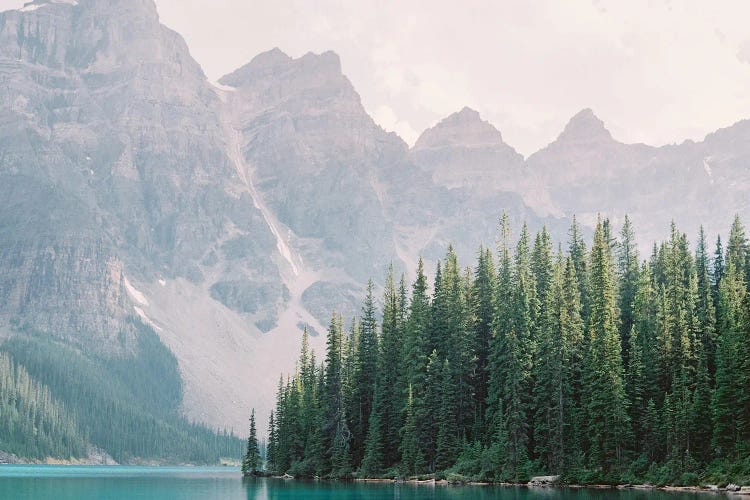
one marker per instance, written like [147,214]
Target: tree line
[590,363]
[56,401]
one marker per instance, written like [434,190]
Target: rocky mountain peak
[585,126]
[309,70]
[463,128]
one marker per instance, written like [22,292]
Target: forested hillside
[586,361]
[58,402]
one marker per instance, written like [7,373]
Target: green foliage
[127,407]
[588,364]
[251,463]
[32,423]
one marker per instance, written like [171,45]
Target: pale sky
[655,71]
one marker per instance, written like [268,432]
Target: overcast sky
[655,71]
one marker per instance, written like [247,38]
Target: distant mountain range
[226,217]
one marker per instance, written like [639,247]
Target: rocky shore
[541,482]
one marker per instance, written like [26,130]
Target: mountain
[115,179]
[585,171]
[153,219]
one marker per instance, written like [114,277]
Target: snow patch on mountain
[32,6]
[239,164]
[707,168]
[134,293]
[146,319]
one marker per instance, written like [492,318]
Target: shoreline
[104,460]
[729,490]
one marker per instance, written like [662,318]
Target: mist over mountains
[136,194]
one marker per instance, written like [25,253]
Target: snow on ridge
[239,164]
[32,6]
[707,168]
[225,88]
[146,319]
[134,293]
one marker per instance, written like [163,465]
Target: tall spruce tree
[627,271]
[391,386]
[271,445]
[366,370]
[251,463]
[482,317]
[607,415]
[337,436]
[412,462]
[731,355]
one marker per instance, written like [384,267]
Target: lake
[20,482]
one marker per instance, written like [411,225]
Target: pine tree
[366,370]
[390,390]
[705,306]
[606,403]
[549,393]
[412,462]
[447,437]
[337,436]
[251,463]
[483,314]
[627,271]
[701,422]
[717,271]
[271,448]
[731,352]
[373,463]
[579,256]
[416,354]
[737,248]
[428,412]
[501,323]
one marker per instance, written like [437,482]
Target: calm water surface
[192,483]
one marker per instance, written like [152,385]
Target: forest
[588,362]
[59,402]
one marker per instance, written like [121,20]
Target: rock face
[114,175]
[587,172]
[544,480]
[230,217]
[463,151]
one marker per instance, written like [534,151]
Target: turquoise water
[20,482]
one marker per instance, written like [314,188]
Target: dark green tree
[608,422]
[251,463]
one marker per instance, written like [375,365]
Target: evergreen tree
[271,449]
[606,403]
[731,354]
[501,323]
[429,411]
[447,437]
[412,462]
[365,375]
[337,436]
[390,390]
[373,463]
[579,256]
[251,463]
[737,248]
[483,314]
[627,271]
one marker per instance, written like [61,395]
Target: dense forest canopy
[63,403]
[590,362]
